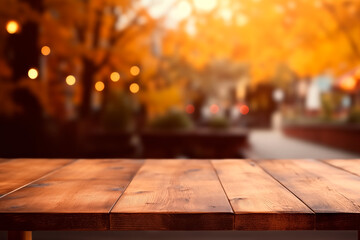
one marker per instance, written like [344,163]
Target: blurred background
[180,78]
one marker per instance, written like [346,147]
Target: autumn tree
[102,36]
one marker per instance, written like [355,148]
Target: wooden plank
[350,165]
[19,172]
[259,201]
[173,195]
[333,194]
[77,197]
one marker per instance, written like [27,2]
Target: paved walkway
[273,144]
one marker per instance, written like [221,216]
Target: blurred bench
[344,137]
[196,143]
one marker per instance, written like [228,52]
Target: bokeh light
[45,50]
[134,88]
[348,83]
[70,80]
[190,109]
[241,19]
[115,76]
[33,73]
[12,27]
[244,109]
[134,70]
[181,11]
[214,108]
[99,86]
[205,5]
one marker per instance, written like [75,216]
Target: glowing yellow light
[33,73]
[45,50]
[242,19]
[205,5]
[99,86]
[181,11]
[12,27]
[70,80]
[115,76]
[348,83]
[134,70]
[134,88]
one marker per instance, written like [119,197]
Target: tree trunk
[88,74]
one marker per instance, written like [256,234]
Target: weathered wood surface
[18,172]
[350,165]
[259,201]
[77,197]
[173,195]
[333,194]
[40,194]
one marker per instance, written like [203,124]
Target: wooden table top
[123,194]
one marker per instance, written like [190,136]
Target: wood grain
[173,195]
[350,165]
[19,172]
[259,201]
[333,194]
[77,197]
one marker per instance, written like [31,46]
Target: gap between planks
[222,186]
[71,161]
[256,162]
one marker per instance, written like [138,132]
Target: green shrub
[172,120]
[118,112]
[218,123]
[354,115]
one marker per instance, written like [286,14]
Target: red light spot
[190,109]
[214,108]
[244,109]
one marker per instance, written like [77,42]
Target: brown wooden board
[173,195]
[77,197]
[350,165]
[259,201]
[19,172]
[333,194]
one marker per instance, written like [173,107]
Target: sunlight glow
[241,19]
[205,5]
[181,11]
